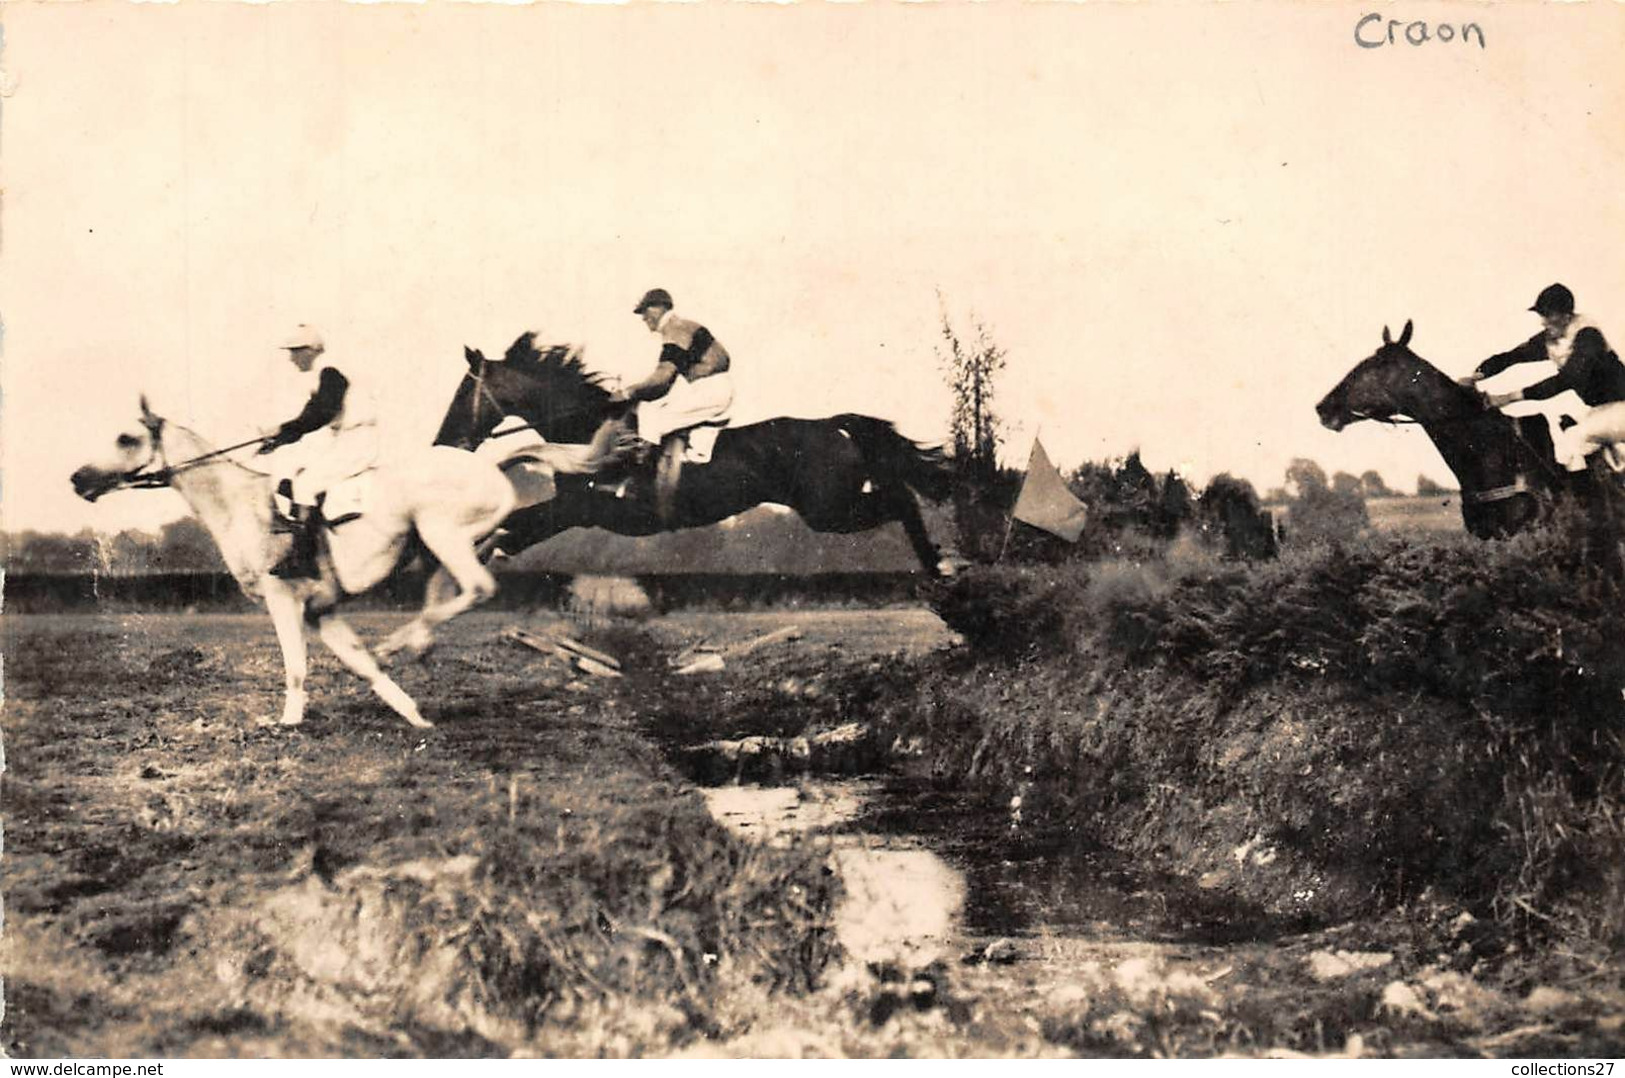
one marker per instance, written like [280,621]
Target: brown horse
[848,473]
[1508,473]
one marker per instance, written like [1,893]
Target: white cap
[304,336]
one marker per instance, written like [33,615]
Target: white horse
[448,498]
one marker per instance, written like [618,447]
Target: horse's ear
[1405,335]
[146,410]
[1387,338]
[472,356]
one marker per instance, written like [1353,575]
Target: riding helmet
[304,336]
[1554,299]
[655,297]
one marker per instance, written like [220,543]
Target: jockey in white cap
[334,437]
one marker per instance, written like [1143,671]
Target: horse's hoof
[415,653]
[412,639]
[418,722]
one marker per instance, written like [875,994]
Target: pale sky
[1185,222]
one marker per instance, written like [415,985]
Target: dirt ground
[145,808]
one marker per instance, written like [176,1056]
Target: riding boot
[667,470]
[284,510]
[299,561]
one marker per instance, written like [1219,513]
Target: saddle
[344,501]
[311,526]
[691,446]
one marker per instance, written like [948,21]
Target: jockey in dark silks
[690,387]
[1585,363]
[333,437]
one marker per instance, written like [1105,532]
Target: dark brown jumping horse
[1508,474]
[848,473]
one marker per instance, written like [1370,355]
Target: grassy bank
[1345,729]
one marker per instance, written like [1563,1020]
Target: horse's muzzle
[1333,412]
[91,483]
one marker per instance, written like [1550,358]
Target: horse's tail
[923,468]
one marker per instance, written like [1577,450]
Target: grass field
[1416,514]
[178,877]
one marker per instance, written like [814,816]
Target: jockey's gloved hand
[270,445]
[1468,380]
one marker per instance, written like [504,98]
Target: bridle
[1390,420]
[482,392]
[164,475]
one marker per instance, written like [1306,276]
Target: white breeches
[325,457]
[1602,427]
[686,404]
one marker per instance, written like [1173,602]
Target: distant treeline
[44,593]
[763,541]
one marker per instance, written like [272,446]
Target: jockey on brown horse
[690,387]
[1585,365]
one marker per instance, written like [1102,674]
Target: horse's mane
[549,386]
[552,362]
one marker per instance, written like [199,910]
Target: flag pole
[1009,526]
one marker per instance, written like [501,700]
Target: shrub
[1403,713]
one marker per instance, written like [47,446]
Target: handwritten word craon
[1370,33]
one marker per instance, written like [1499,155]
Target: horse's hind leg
[460,558]
[875,509]
[414,637]
[440,592]
[338,636]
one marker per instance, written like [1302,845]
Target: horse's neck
[1450,439]
[224,496]
[1473,443]
[554,417]
[1448,413]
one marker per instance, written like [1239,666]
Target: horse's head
[134,450]
[1394,381]
[550,388]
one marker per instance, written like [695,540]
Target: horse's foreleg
[906,510]
[287,616]
[339,637]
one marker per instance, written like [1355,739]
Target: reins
[165,475]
